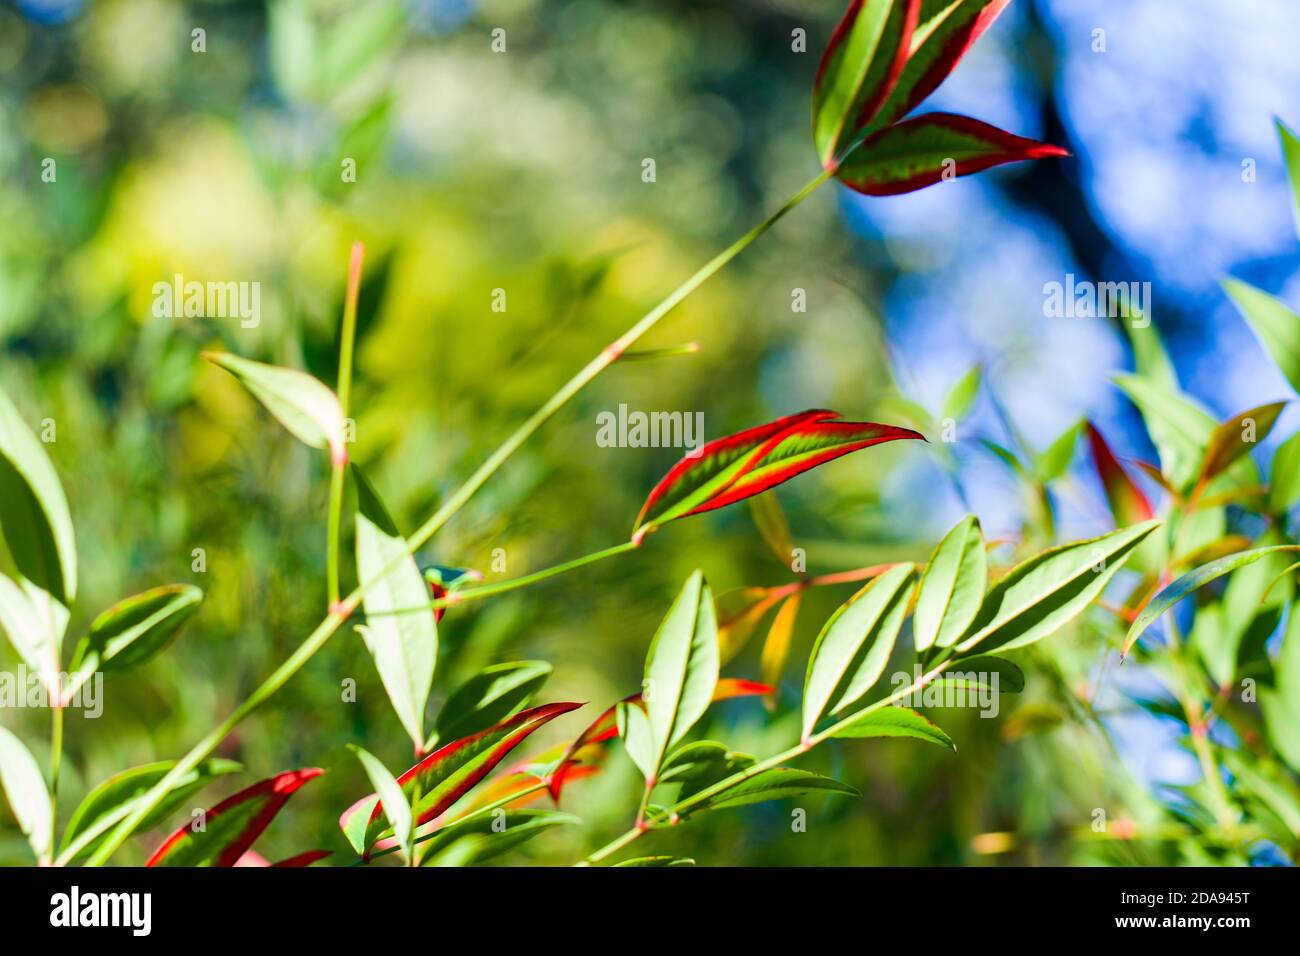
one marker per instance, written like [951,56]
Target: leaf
[499,832]
[1275,325]
[1228,442]
[1055,459]
[739,612]
[113,800]
[1045,592]
[681,669]
[34,622]
[776,649]
[490,696]
[391,798]
[947,29]
[24,788]
[977,671]
[1191,581]
[1291,153]
[961,397]
[34,513]
[931,148]
[858,69]
[896,721]
[1281,704]
[449,773]
[404,646]
[733,468]
[304,405]
[638,738]
[1284,479]
[772,525]
[304,859]
[854,647]
[135,629]
[658,861]
[1179,428]
[232,825]
[701,764]
[1128,505]
[775,784]
[952,587]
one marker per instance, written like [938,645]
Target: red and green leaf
[733,468]
[229,828]
[862,62]
[448,773]
[1128,505]
[922,151]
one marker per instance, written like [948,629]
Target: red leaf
[303,859]
[1127,503]
[272,794]
[730,469]
[922,151]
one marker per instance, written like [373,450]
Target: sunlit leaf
[304,405]
[135,629]
[657,861]
[733,468]
[1056,457]
[490,696]
[773,526]
[1128,504]
[24,788]
[229,828]
[1284,476]
[498,832]
[952,587]
[932,148]
[854,647]
[35,623]
[897,722]
[775,784]
[1291,153]
[979,671]
[638,738]
[960,399]
[1274,324]
[776,648]
[739,612]
[1179,428]
[1235,437]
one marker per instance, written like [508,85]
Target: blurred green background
[477,171]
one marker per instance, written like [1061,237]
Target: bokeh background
[522,170]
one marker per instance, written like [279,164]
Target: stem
[770,763]
[56,755]
[339,463]
[341,611]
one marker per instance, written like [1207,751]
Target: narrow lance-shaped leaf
[497,833]
[449,773]
[960,399]
[304,405]
[984,670]
[776,649]
[897,722]
[137,628]
[1235,437]
[638,861]
[391,798]
[1128,505]
[773,526]
[490,696]
[1274,324]
[858,70]
[733,468]
[24,788]
[1194,580]
[1284,476]
[681,668]
[775,784]
[404,646]
[928,149]
[1291,154]
[1045,592]
[229,828]
[946,30]
[952,587]
[1179,427]
[34,621]
[854,647]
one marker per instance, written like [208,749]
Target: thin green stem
[339,463]
[340,611]
[56,755]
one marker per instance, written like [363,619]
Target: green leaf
[1045,592]
[133,630]
[487,698]
[1284,480]
[858,70]
[404,646]
[897,722]
[33,511]
[1275,325]
[391,798]
[960,399]
[304,405]
[114,799]
[1192,581]
[853,649]
[1235,437]
[1056,458]
[1281,704]
[24,788]
[499,831]
[634,730]
[35,622]
[977,671]
[701,764]
[658,861]
[952,587]
[1291,153]
[772,525]
[1179,428]
[681,667]
[776,784]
